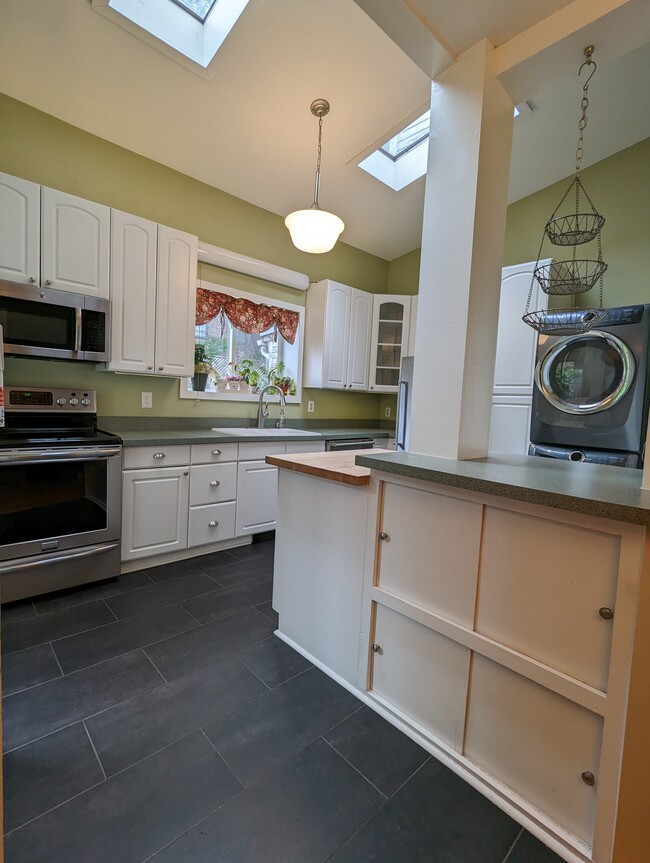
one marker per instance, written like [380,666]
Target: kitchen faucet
[263,407]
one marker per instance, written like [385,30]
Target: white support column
[462,246]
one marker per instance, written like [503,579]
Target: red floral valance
[247,316]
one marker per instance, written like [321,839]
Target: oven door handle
[27,456]
[12,566]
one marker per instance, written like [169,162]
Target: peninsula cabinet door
[20,230]
[154,511]
[541,745]
[421,673]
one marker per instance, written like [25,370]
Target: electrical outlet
[387,413]
[310,407]
[147,400]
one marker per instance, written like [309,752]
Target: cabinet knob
[159,455]
[377,648]
[186,473]
[372,388]
[606,613]
[150,368]
[588,778]
[214,483]
[213,524]
[383,536]
[216,452]
[32,279]
[160,368]
[48,281]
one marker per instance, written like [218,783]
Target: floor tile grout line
[51,645]
[89,585]
[52,640]
[512,847]
[345,719]
[408,779]
[356,769]
[358,830]
[92,744]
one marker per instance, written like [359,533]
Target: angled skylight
[195,29]
[403,158]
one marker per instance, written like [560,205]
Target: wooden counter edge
[335,466]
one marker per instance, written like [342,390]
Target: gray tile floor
[157,717]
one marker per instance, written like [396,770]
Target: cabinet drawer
[209,453]
[421,673]
[211,523]
[251,451]
[432,551]
[155,456]
[535,742]
[541,590]
[213,483]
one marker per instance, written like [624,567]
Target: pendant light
[315,230]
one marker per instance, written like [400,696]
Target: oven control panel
[41,399]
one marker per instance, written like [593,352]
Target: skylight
[403,158]
[195,29]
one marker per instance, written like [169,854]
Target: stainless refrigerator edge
[404,396]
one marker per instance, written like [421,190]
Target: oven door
[58,498]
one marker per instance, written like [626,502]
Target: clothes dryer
[591,389]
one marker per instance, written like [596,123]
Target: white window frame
[296,349]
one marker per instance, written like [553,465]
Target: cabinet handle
[383,536]
[159,455]
[48,281]
[213,524]
[32,279]
[588,778]
[216,452]
[377,648]
[214,483]
[606,613]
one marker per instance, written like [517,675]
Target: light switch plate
[387,413]
[310,407]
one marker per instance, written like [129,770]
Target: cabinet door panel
[359,345]
[154,512]
[175,302]
[133,292]
[257,497]
[389,341]
[510,425]
[421,673]
[535,742]
[211,523]
[337,330]
[213,483]
[20,230]
[75,244]
[540,592]
[432,551]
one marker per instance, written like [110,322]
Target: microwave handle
[78,322]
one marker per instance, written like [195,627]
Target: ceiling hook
[589,50]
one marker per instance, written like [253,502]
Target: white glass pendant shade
[314,230]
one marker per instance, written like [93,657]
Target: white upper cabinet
[337,340]
[20,230]
[153,289]
[75,246]
[389,342]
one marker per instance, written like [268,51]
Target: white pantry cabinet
[337,336]
[389,340]
[75,244]
[153,293]
[20,230]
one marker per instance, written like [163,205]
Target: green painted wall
[41,148]
[404,274]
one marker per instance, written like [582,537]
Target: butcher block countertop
[336,466]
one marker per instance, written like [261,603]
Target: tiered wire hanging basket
[574,275]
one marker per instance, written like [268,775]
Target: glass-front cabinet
[390,334]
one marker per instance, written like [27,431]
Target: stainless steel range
[60,493]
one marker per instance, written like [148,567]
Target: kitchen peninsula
[495,610]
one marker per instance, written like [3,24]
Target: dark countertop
[598,490]
[160,437]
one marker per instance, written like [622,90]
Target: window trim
[185,393]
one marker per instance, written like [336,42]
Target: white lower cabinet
[257,497]
[154,511]
[211,523]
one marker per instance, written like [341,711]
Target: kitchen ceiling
[247,129]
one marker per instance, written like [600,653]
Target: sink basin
[272,432]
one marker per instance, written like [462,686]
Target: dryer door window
[586,374]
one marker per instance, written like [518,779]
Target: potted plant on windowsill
[249,374]
[276,376]
[202,367]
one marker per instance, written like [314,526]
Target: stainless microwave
[39,322]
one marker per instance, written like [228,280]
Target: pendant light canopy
[315,230]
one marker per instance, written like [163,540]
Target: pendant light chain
[318,158]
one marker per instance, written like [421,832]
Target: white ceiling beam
[552,49]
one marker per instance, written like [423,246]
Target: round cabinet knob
[377,648]
[32,279]
[383,536]
[606,613]
[159,455]
[372,388]
[61,401]
[216,452]
[74,401]
[213,524]
[214,483]
[588,778]
[48,282]
[186,473]
[160,368]
[85,402]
